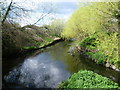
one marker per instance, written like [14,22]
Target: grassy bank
[88,79]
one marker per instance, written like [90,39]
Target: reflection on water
[39,71]
[51,67]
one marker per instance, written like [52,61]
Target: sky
[61,9]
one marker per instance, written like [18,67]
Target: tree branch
[7,12]
[42,17]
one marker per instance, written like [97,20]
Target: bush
[88,79]
[98,56]
[102,47]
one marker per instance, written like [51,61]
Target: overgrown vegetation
[95,26]
[88,79]
[16,38]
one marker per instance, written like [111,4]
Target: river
[49,68]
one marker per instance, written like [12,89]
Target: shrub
[88,79]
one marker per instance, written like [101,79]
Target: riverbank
[107,55]
[94,55]
[29,50]
[55,41]
[106,64]
[89,50]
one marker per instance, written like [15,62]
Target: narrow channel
[49,68]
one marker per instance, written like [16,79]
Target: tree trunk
[7,12]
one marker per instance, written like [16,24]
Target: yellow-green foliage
[109,46]
[98,19]
[91,18]
[102,47]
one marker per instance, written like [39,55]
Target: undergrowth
[88,79]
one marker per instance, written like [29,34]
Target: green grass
[88,79]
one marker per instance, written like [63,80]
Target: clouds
[61,9]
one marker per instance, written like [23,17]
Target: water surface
[49,68]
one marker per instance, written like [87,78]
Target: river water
[49,68]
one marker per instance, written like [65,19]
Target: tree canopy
[92,18]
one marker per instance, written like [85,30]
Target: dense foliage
[88,79]
[95,25]
[92,18]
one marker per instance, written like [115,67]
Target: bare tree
[11,11]
[14,11]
